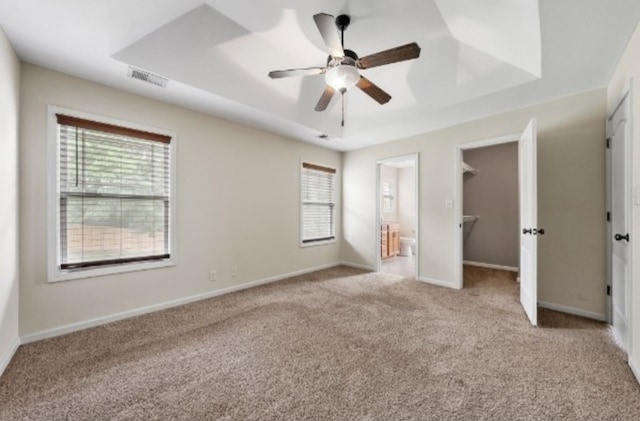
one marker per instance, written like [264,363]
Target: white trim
[625,93]
[635,368]
[74,327]
[4,363]
[631,287]
[572,310]
[490,266]
[54,274]
[608,172]
[358,266]
[437,282]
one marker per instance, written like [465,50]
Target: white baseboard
[491,266]
[358,266]
[74,327]
[437,282]
[571,310]
[635,368]
[6,359]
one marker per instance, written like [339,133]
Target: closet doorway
[491,233]
[490,217]
[397,215]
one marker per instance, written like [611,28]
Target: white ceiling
[477,59]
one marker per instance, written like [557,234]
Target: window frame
[335,205]
[54,272]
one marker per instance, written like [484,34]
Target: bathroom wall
[407,201]
[492,194]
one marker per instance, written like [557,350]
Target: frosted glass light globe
[342,77]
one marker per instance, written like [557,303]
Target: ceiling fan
[342,71]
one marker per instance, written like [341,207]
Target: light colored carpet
[335,344]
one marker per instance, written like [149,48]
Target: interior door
[620,220]
[529,222]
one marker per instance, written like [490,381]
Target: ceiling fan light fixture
[342,77]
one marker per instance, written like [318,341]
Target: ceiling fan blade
[393,55]
[310,71]
[373,90]
[325,99]
[327,26]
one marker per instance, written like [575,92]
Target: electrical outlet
[234,270]
[213,275]
[448,204]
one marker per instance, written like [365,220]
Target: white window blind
[318,203]
[114,185]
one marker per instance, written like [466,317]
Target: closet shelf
[468,169]
[470,218]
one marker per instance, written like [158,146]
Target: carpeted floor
[336,344]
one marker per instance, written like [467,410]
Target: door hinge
[608,143]
[608,289]
[608,216]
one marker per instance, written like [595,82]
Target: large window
[113,197]
[318,204]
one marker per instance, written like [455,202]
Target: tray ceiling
[477,59]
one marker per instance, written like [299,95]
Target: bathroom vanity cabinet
[389,240]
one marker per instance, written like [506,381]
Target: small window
[113,198]
[387,198]
[318,204]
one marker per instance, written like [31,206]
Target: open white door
[529,222]
[620,220]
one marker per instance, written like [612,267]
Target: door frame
[378,201]
[626,94]
[459,196]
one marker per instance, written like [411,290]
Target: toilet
[406,246]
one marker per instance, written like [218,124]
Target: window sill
[318,243]
[68,275]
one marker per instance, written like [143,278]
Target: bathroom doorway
[397,216]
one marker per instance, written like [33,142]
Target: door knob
[620,237]
[527,231]
[538,231]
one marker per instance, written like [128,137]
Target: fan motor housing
[349,55]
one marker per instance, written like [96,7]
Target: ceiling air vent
[148,77]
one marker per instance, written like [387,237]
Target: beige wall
[492,194]
[9,100]
[629,67]
[571,268]
[237,204]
